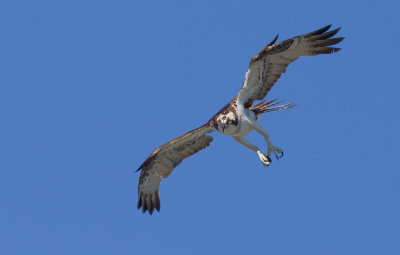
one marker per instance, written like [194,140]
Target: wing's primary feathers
[267,66]
[163,160]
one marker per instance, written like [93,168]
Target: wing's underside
[162,162]
[266,67]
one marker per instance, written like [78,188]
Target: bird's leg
[277,151]
[265,159]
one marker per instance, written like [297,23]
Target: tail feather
[270,106]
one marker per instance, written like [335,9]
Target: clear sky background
[89,88]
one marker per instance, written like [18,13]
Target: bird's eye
[219,122]
[229,122]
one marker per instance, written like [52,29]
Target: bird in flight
[239,117]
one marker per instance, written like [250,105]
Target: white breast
[246,116]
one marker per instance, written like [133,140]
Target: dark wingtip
[144,204]
[327,42]
[339,39]
[327,27]
[148,204]
[158,203]
[319,31]
[273,40]
[140,167]
[327,35]
[326,50]
[139,203]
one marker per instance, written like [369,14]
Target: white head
[226,123]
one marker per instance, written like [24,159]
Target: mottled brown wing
[266,67]
[163,160]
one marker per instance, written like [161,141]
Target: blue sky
[89,88]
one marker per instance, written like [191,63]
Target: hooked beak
[223,128]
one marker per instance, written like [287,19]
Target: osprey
[239,117]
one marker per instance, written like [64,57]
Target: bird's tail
[270,106]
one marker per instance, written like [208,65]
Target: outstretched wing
[163,160]
[267,66]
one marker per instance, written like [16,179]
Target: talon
[278,156]
[265,159]
[277,152]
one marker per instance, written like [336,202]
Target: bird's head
[226,123]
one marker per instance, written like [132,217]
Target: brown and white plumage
[163,160]
[266,67]
[239,117]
